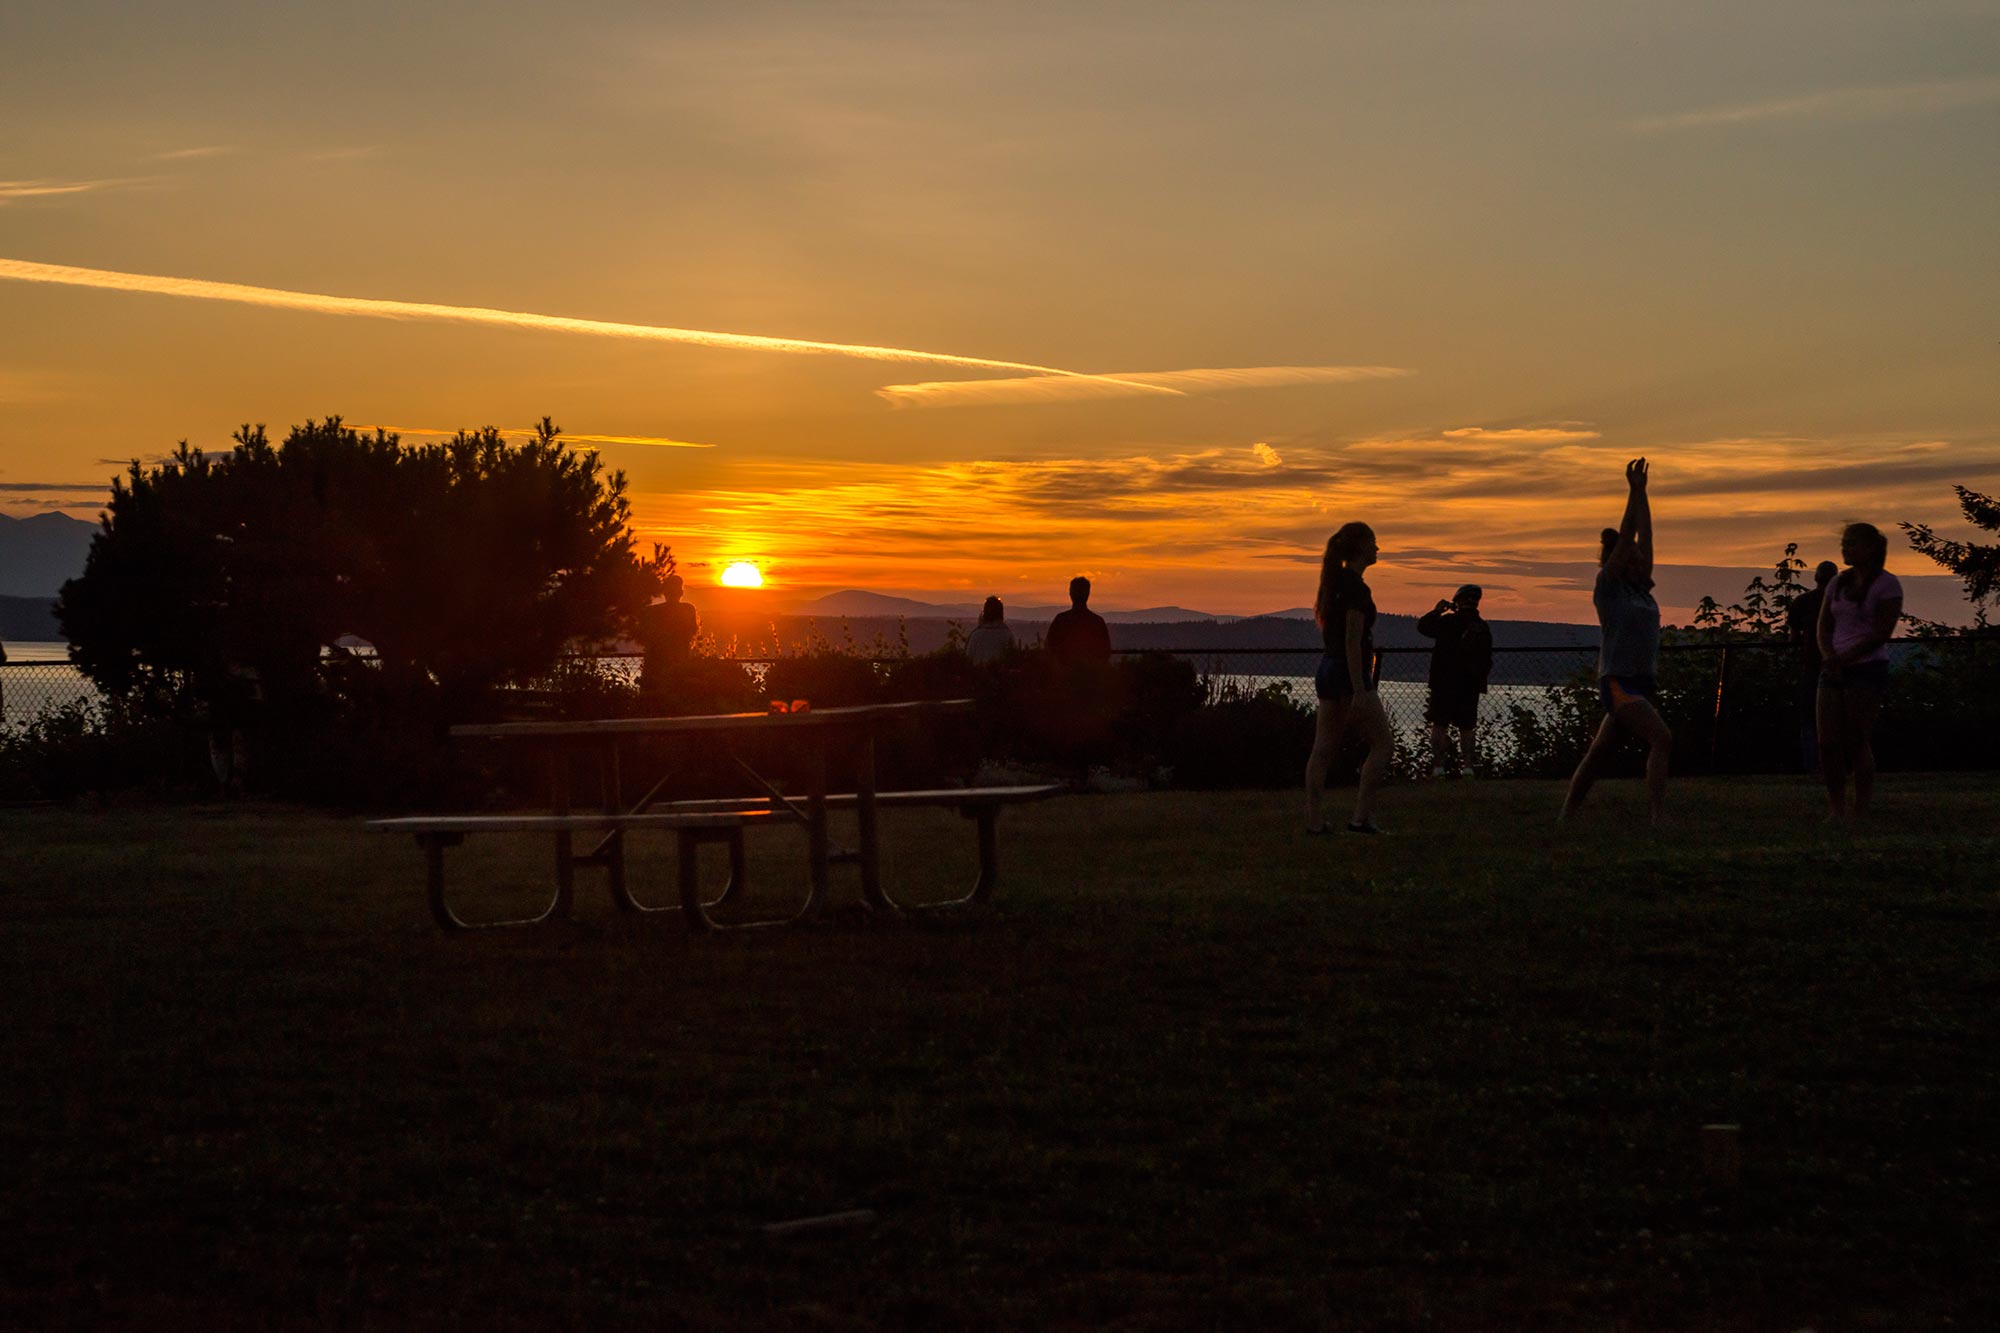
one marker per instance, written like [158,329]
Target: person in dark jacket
[1802,631]
[1079,636]
[1460,665]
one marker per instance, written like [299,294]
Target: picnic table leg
[434,845]
[692,908]
[989,854]
[612,850]
[739,869]
[559,761]
[870,828]
[817,842]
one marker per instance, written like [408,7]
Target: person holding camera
[1460,664]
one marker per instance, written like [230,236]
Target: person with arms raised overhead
[1856,621]
[1346,683]
[1628,622]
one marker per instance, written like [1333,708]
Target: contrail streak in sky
[23,270]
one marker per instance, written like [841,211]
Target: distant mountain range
[40,552]
[854,602]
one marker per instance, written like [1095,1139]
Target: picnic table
[823,742]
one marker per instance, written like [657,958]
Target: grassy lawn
[1191,1069]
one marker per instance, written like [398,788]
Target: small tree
[1978,566]
[1761,612]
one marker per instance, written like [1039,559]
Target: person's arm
[1823,627]
[1634,552]
[1479,656]
[1433,620]
[1881,629]
[1358,673]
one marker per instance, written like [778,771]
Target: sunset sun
[742,574]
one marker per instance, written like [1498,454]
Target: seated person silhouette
[666,633]
[990,640]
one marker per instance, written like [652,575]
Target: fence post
[1721,691]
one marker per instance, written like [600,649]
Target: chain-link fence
[1734,707]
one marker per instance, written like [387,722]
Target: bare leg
[1440,747]
[1331,722]
[1832,709]
[1593,760]
[1862,708]
[1468,748]
[1381,741]
[1644,721]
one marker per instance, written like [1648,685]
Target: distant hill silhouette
[39,553]
[853,602]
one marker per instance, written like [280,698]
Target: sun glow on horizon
[742,574]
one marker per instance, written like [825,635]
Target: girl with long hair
[1345,681]
[1857,618]
[1628,622]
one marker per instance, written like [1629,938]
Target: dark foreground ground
[1193,1069]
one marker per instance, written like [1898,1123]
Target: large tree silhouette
[465,564]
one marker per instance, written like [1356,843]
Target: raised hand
[1635,474]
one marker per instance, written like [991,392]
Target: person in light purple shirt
[1856,621]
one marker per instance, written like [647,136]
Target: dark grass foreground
[1194,1069]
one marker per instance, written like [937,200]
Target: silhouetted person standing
[667,635]
[1345,681]
[990,640]
[1628,622]
[1802,631]
[1079,635]
[1460,665]
[1856,622]
[1081,698]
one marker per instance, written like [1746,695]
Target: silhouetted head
[673,587]
[1467,598]
[1079,591]
[1866,551]
[1351,547]
[1823,575]
[1863,546]
[1607,542]
[992,613]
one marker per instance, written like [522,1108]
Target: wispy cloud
[23,270]
[44,189]
[1521,434]
[192,154]
[1464,502]
[1125,383]
[1875,102]
[654,441]
[58,487]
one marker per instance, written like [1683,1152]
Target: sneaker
[1367,826]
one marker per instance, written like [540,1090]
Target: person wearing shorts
[1345,680]
[1857,618]
[1628,621]
[1460,665]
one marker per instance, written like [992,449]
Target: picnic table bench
[698,822]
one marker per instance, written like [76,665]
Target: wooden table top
[708,722]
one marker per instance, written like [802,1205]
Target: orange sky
[1258,269]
